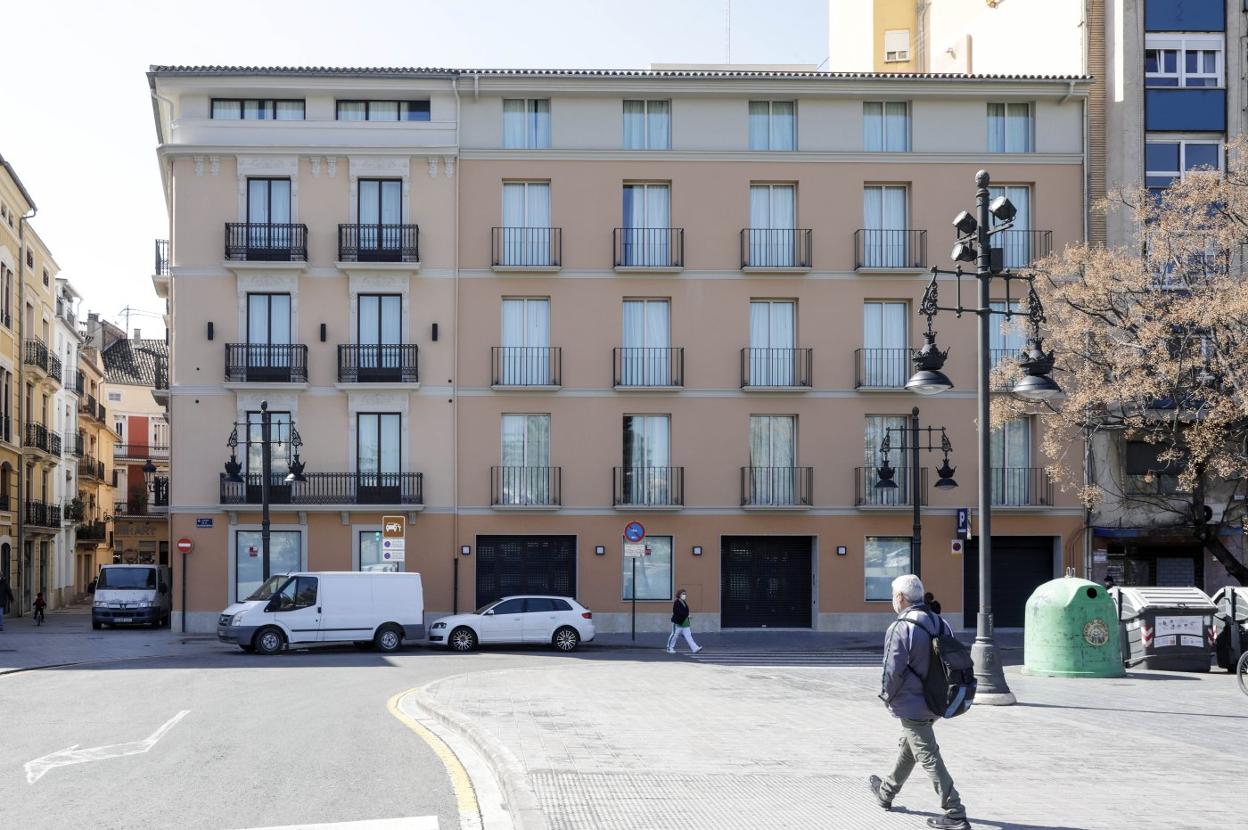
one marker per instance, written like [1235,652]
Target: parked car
[559,621]
[131,595]
[363,607]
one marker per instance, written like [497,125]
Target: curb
[525,812]
[97,661]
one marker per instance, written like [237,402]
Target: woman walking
[680,624]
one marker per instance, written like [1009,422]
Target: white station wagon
[559,621]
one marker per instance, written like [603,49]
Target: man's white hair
[910,587]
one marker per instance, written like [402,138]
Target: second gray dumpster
[1165,628]
[1230,625]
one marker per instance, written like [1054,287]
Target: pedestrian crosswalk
[846,658]
[408,823]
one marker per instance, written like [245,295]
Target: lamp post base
[990,676]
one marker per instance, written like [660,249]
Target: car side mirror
[489,613]
[274,604]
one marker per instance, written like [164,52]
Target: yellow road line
[461,784]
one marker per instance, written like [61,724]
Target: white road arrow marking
[37,768]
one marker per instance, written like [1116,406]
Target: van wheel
[566,639]
[388,638]
[268,640]
[462,639]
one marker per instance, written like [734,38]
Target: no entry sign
[185,545]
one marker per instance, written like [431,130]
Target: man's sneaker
[949,823]
[671,651]
[876,783]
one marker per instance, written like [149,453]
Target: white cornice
[767,157]
[183,150]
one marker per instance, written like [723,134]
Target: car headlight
[101,603]
[438,625]
[145,603]
[237,619]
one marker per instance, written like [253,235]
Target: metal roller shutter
[509,565]
[766,582]
[1020,564]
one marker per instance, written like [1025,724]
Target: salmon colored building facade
[523,308]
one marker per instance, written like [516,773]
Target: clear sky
[76,117]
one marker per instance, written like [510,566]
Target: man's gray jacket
[908,645]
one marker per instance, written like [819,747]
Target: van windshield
[127,579]
[268,588]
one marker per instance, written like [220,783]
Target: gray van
[132,595]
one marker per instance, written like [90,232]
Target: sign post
[634,533]
[184,547]
[393,540]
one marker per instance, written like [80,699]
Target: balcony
[648,367]
[54,444]
[141,504]
[776,488]
[65,310]
[378,363]
[648,249]
[775,249]
[80,384]
[866,494]
[35,353]
[43,515]
[90,467]
[890,250]
[6,429]
[140,452]
[390,489]
[263,242]
[75,445]
[36,438]
[266,363]
[162,258]
[1022,248]
[526,249]
[526,367]
[379,243]
[91,408]
[526,488]
[648,488]
[881,368]
[775,369]
[55,368]
[1021,487]
[92,532]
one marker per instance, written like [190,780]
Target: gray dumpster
[1165,628]
[1230,626]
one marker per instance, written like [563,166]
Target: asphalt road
[304,737]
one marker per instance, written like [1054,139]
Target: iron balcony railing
[80,383]
[526,365]
[640,367]
[327,488]
[1021,248]
[71,378]
[866,494]
[1021,487]
[141,451]
[526,486]
[35,353]
[73,511]
[890,249]
[36,437]
[266,242]
[378,363]
[160,491]
[378,243]
[76,445]
[881,368]
[162,257]
[526,247]
[776,486]
[55,368]
[266,363]
[649,486]
[649,247]
[86,405]
[89,467]
[776,368]
[776,248]
[54,443]
[65,310]
[161,380]
[92,532]
[42,514]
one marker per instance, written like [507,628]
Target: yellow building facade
[96,445]
[15,203]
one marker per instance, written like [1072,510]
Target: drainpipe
[455,351]
[21,399]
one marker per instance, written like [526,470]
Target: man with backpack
[927,675]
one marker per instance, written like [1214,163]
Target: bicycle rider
[40,604]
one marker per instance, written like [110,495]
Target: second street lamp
[910,441]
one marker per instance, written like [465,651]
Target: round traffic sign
[184,545]
[634,532]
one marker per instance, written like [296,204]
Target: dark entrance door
[1020,564]
[766,582]
[509,565]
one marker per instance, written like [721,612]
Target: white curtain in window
[773,335]
[352,110]
[526,342]
[773,452]
[539,123]
[514,122]
[226,110]
[760,125]
[634,125]
[1011,458]
[1016,243]
[996,128]
[383,111]
[872,126]
[884,343]
[773,219]
[526,224]
[659,125]
[525,457]
[1018,128]
[783,125]
[644,360]
[646,220]
[896,127]
[289,110]
[884,219]
[647,454]
[1006,337]
[877,427]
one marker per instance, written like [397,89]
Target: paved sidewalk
[66,638]
[677,743]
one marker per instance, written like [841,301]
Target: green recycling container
[1072,631]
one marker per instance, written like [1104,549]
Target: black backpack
[949,687]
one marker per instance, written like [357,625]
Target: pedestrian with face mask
[680,624]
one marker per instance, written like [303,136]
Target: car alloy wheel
[566,639]
[388,639]
[462,639]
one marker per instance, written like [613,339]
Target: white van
[131,595]
[307,608]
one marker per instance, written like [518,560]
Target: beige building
[94,448]
[523,308]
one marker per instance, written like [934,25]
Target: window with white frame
[252,109]
[526,123]
[654,571]
[773,125]
[884,558]
[886,126]
[1179,60]
[647,125]
[1168,161]
[354,110]
[1010,128]
[896,45]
